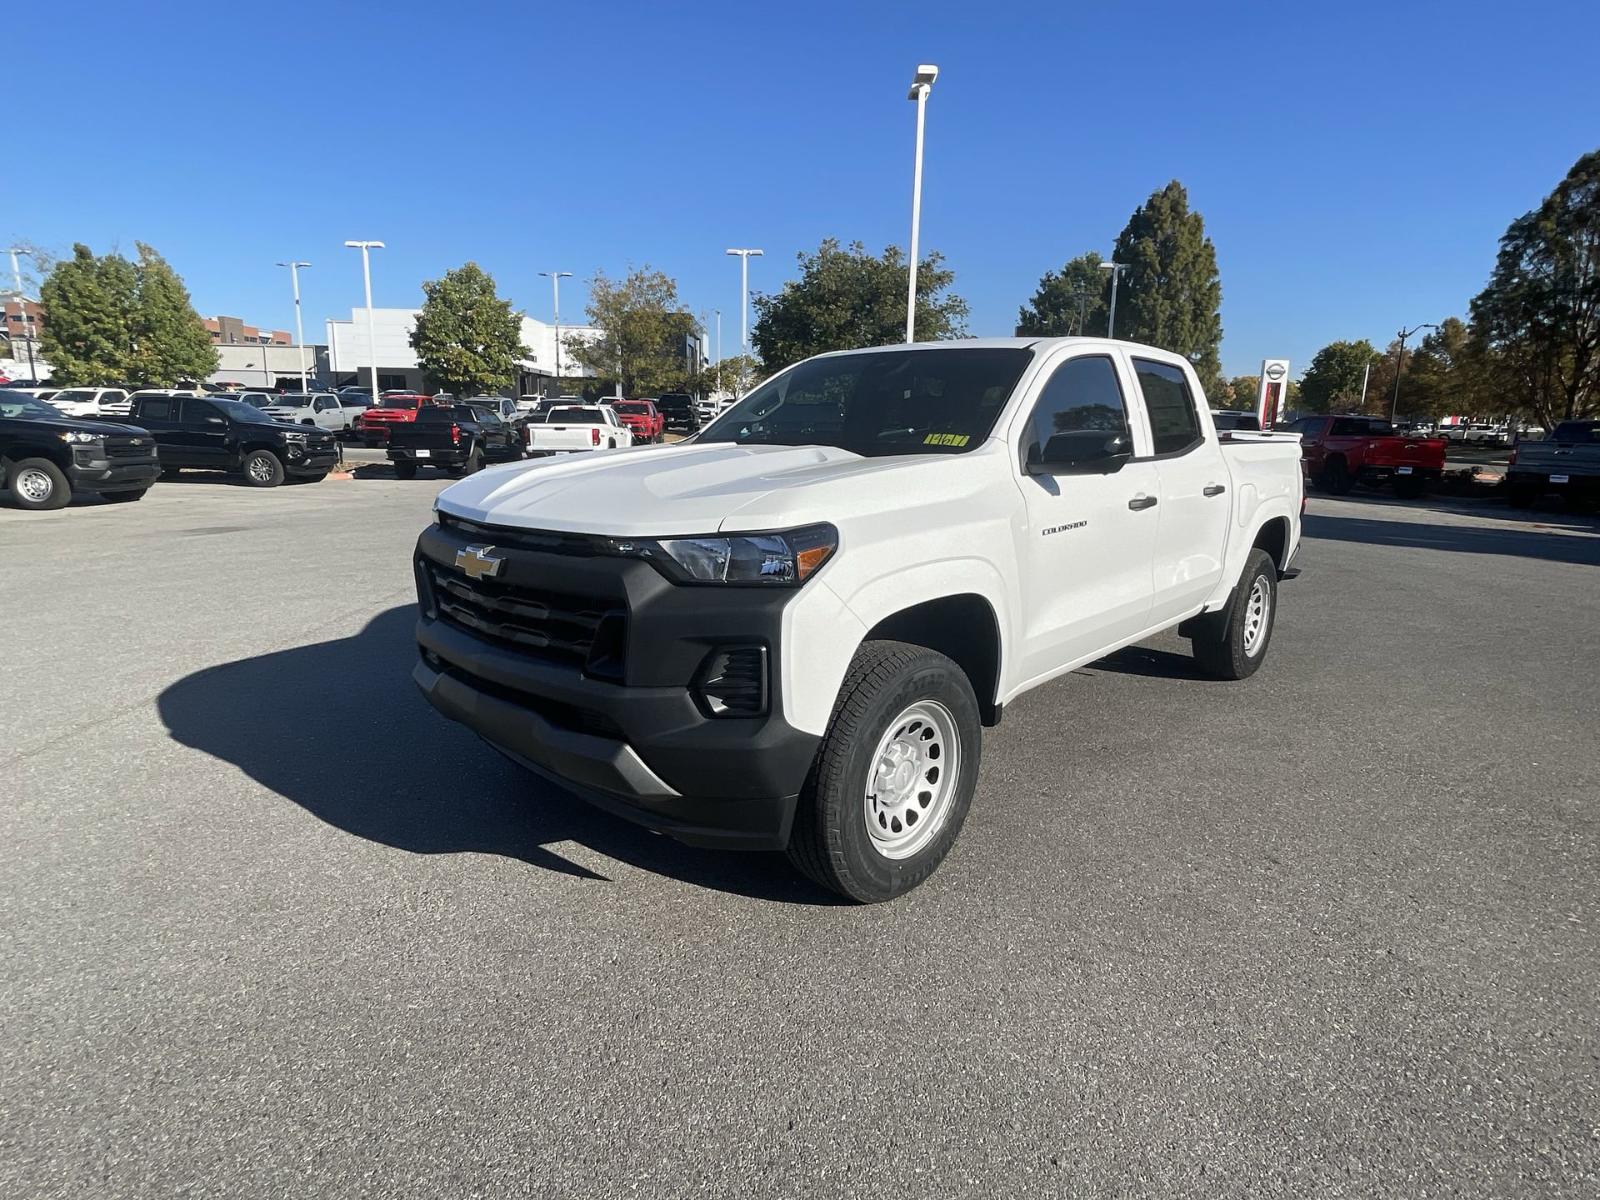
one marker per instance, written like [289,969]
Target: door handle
[1140,503]
[1213,489]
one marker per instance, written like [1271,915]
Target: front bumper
[641,743]
[113,475]
[312,462]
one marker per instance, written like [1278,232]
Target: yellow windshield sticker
[947,439]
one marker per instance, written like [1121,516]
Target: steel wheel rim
[34,485]
[260,469]
[1257,610]
[912,780]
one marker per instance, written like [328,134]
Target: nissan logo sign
[1275,371]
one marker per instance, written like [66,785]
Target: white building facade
[349,351]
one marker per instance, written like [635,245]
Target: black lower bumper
[314,463]
[115,475]
[1545,481]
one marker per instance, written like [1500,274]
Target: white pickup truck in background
[566,429]
[790,631]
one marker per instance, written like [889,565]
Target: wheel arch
[1273,537]
[17,451]
[965,628]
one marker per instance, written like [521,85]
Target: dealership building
[349,352]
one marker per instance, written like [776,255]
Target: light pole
[1400,362]
[22,307]
[299,329]
[1116,270]
[744,296]
[921,85]
[555,278]
[372,337]
[718,311]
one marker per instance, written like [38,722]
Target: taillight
[455,434]
[594,436]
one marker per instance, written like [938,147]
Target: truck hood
[66,424]
[687,489]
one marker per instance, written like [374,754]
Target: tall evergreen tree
[169,342]
[467,339]
[1067,302]
[87,302]
[1171,296]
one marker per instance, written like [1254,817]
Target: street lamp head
[556,274]
[1108,265]
[365,245]
[294,264]
[923,81]
[745,253]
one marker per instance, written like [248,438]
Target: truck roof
[1019,343]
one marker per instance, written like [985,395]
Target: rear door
[159,414]
[1089,542]
[1194,482]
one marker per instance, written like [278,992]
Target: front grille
[543,540]
[547,625]
[125,448]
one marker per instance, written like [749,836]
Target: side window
[1347,427]
[114,396]
[155,409]
[198,410]
[1174,424]
[1083,394]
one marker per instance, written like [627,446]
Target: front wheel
[262,469]
[894,776]
[39,485]
[1337,478]
[1235,644]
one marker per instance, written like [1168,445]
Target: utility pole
[1399,365]
[28,330]
[1116,270]
[921,85]
[744,295]
[555,278]
[1083,309]
[299,329]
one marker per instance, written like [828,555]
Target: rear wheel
[39,485]
[474,463]
[1233,645]
[1522,495]
[893,777]
[262,469]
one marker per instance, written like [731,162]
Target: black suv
[211,434]
[679,411]
[45,457]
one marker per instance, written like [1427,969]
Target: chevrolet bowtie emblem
[478,562]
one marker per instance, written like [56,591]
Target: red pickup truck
[643,419]
[392,408]
[1337,452]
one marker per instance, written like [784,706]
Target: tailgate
[1411,452]
[561,437]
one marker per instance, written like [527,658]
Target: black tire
[124,497]
[405,469]
[38,485]
[1522,495]
[1409,487]
[1224,647]
[831,843]
[1336,476]
[262,468]
[474,462]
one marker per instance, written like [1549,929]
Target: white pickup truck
[566,429]
[789,631]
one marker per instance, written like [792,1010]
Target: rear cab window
[1174,421]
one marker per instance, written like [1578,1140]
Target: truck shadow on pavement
[1468,539]
[387,768]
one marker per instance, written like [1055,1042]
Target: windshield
[24,407]
[238,410]
[399,402]
[882,402]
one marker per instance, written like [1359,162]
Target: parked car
[573,428]
[1567,462]
[42,394]
[392,408]
[706,408]
[460,438]
[790,632]
[321,409]
[678,408]
[643,419]
[92,402]
[1229,419]
[1341,451]
[46,456]
[503,407]
[206,433]
[261,400]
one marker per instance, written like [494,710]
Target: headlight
[294,437]
[77,436]
[783,559]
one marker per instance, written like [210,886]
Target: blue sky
[1355,163]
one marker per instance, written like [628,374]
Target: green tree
[1171,295]
[1537,322]
[734,375]
[1445,374]
[1067,302]
[846,298]
[644,335]
[1333,380]
[169,344]
[88,303]
[467,339]
[1243,392]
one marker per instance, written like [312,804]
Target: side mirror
[1080,452]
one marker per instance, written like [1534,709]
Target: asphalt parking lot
[270,927]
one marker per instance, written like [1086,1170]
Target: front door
[1194,481]
[204,431]
[1088,547]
